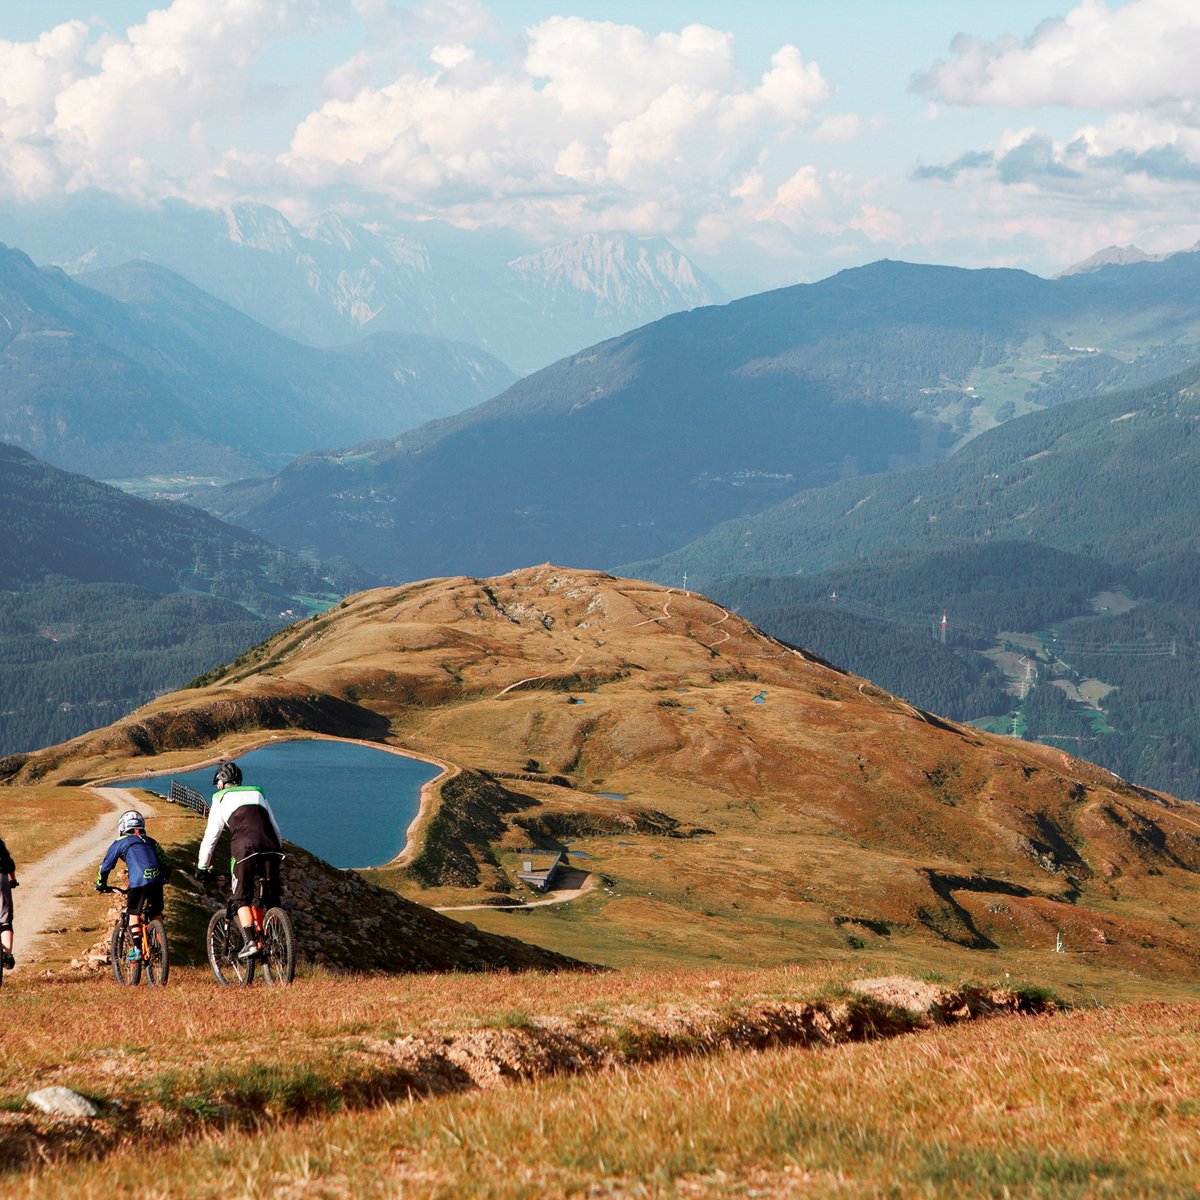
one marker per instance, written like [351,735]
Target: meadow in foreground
[1096,1103]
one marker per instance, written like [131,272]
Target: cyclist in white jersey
[256,845]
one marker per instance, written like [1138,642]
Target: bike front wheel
[158,962]
[126,973]
[279,947]
[224,941]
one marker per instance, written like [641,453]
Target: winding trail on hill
[724,632]
[39,903]
[557,898]
[533,678]
[666,613]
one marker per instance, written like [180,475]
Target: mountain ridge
[652,438]
[111,599]
[333,279]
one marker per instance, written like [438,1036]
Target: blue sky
[774,142]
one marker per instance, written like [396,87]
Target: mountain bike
[276,941]
[153,945]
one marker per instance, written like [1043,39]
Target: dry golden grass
[1082,1105]
[78,1027]
[34,820]
[43,818]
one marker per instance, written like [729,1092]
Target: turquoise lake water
[349,804]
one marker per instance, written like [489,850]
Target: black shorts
[146,901]
[247,870]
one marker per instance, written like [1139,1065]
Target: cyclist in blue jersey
[147,866]
[255,844]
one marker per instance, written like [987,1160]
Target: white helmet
[129,821]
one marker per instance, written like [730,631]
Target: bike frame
[143,927]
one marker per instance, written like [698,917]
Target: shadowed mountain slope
[1110,476]
[110,599]
[643,443]
[734,797]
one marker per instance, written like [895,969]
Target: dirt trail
[557,898]
[39,904]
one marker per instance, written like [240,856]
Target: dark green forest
[109,599]
[77,656]
[885,624]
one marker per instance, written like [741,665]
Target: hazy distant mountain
[1110,256]
[335,280]
[613,277]
[156,375]
[644,442]
[109,599]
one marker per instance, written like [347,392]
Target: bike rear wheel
[224,942]
[126,973]
[158,962]
[279,947]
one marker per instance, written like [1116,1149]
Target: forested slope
[109,599]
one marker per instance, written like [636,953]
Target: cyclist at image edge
[147,865]
[255,844]
[8,881]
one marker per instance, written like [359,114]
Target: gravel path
[39,904]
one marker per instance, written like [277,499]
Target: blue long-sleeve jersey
[142,857]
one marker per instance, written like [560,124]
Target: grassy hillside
[735,800]
[516,1086]
[794,874]
[1097,659]
[641,444]
[110,600]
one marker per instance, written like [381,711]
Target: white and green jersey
[244,811]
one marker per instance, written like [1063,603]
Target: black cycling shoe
[250,949]
[9,961]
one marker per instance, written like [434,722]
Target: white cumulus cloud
[1140,54]
[123,112]
[592,116]
[1135,64]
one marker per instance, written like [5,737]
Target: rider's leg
[243,892]
[135,900]
[6,916]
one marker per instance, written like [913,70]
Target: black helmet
[229,774]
